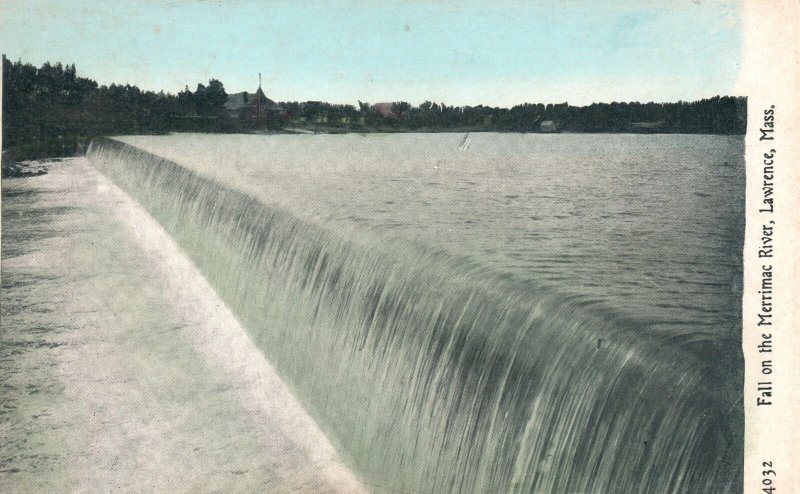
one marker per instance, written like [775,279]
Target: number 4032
[768,474]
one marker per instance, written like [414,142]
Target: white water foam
[220,339]
[122,368]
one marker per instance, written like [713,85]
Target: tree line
[51,111]
[717,115]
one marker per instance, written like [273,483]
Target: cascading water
[434,373]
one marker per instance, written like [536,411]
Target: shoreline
[10,161]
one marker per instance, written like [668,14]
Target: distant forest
[50,111]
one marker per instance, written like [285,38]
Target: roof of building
[238,101]
[385,110]
[548,126]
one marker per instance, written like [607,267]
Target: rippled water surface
[649,224]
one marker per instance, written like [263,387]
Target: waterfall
[433,373]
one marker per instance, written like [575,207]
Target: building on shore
[253,110]
[548,127]
[385,110]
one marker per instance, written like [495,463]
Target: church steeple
[260,92]
[259,96]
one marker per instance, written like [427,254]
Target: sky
[469,52]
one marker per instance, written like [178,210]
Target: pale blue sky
[468,52]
